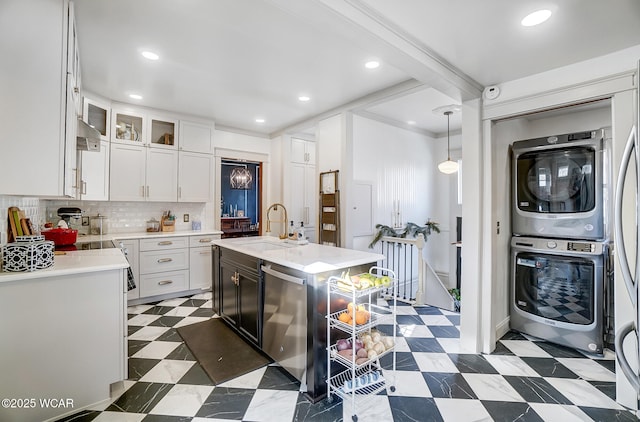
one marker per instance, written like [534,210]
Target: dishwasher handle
[286,277]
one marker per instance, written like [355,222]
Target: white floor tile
[582,393]
[436,320]
[167,371]
[138,309]
[148,333]
[525,348]
[492,387]
[181,311]
[511,365]
[559,413]
[407,383]
[588,369]
[415,331]
[250,380]
[462,410]
[368,409]
[272,406]
[205,296]
[142,319]
[182,400]
[406,310]
[401,345]
[434,362]
[172,302]
[450,345]
[190,320]
[156,350]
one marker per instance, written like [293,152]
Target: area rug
[221,352]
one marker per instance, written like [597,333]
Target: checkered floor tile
[524,379]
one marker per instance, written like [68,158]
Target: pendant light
[448,166]
[241,178]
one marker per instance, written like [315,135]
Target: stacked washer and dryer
[561,287]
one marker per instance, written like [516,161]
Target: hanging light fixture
[241,178]
[448,166]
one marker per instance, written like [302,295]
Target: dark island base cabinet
[240,294]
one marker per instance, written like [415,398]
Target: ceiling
[234,61]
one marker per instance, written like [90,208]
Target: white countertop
[142,235]
[74,262]
[310,258]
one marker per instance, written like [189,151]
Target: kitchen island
[273,293]
[63,333]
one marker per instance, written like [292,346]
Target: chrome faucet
[284,222]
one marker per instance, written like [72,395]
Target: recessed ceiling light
[372,64]
[260,120]
[536,17]
[135,96]
[303,98]
[150,55]
[411,122]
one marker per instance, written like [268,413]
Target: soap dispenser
[291,230]
[301,231]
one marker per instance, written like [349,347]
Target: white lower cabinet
[164,283]
[131,248]
[200,264]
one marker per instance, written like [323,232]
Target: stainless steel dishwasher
[284,336]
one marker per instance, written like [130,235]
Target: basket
[28,253]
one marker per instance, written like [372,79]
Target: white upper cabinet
[37,129]
[303,151]
[162,175]
[97,115]
[128,126]
[94,179]
[163,131]
[196,137]
[195,177]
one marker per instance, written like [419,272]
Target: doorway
[240,193]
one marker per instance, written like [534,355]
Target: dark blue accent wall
[246,200]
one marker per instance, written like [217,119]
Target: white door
[195,177]
[162,175]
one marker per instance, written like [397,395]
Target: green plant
[455,293]
[411,230]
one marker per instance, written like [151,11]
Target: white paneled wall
[30,206]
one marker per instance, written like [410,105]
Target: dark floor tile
[610,364]
[536,390]
[455,319]
[412,409]
[166,418]
[440,331]
[276,378]
[404,361]
[428,310]
[166,321]
[608,388]
[608,415]
[181,352]
[203,312]
[475,364]
[549,367]
[158,310]
[139,366]
[170,335]
[142,397]
[511,411]
[501,349]
[196,303]
[387,330]
[322,411]
[83,416]
[422,344]
[448,385]
[133,346]
[513,335]
[132,329]
[196,376]
[226,403]
[558,351]
[409,320]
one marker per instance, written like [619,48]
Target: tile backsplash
[122,217]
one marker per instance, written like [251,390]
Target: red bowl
[61,237]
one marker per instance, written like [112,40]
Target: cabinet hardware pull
[165,242]
[204,240]
[161,260]
[142,187]
[179,191]
[205,253]
[148,191]
[164,282]
[83,189]
[75,178]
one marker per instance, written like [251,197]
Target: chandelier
[241,178]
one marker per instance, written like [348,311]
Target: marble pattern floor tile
[525,348]
[167,371]
[510,365]
[272,406]
[406,383]
[462,410]
[492,387]
[554,413]
[582,393]
[182,400]
[588,369]
[156,350]
[435,362]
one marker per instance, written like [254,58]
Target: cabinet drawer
[169,260]
[159,243]
[202,240]
[169,282]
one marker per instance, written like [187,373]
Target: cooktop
[83,246]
